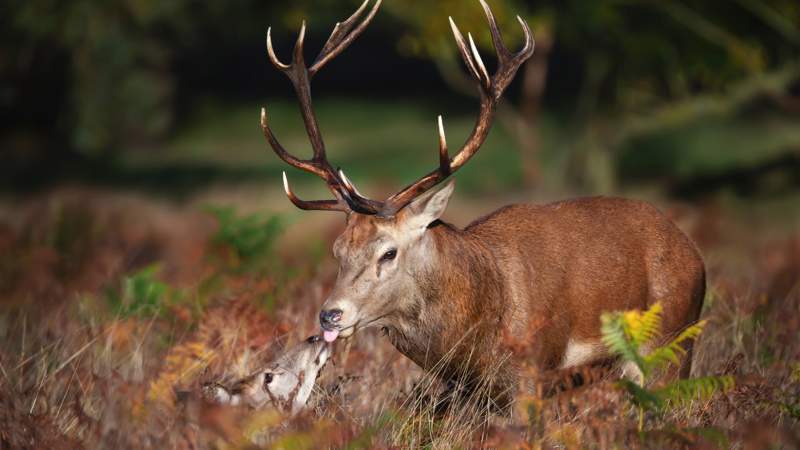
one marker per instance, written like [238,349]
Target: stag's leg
[630,371]
[686,364]
[681,310]
[682,370]
[678,281]
[698,297]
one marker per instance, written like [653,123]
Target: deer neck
[460,304]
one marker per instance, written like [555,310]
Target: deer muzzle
[338,320]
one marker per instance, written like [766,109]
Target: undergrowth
[627,333]
[109,324]
[141,294]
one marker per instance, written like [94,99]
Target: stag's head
[386,244]
[381,260]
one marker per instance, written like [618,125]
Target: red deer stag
[449,298]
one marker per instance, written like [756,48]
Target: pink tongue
[330,336]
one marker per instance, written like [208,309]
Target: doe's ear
[428,207]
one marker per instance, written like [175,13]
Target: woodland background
[146,243]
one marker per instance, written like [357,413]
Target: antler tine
[297,56]
[497,38]
[508,62]
[444,158]
[349,184]
[462,48]
[491,89]
[530,44]
[271,52]
[341,28]
[283,154]
[342,37]
[319,205]
[487,80]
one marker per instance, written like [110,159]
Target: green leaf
[140,294]
[616,338]
[672,352]
[640,396]
[645,327]
[681,392]
[249,238]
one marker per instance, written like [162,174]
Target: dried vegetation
[114,310]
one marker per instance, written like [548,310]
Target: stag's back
[566,262]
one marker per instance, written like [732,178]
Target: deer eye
[267,379]
[388,256]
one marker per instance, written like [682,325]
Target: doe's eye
[388,256]
[267,378]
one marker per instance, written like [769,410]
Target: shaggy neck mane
[460,310]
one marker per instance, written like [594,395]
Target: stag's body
[451,299]
[543,274]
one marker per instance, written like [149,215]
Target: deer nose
[329,318]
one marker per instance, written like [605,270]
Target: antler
[490,88]
[347,197]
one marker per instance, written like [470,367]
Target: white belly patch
[578,352]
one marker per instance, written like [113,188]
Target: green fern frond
[663,356]
[616,338]
[644,326]
[625,333]
[672,352]
[681,392]
[689,333]
[640,396]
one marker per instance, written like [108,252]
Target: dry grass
[78,372]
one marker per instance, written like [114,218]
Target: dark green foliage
[642,397]
[122,72]
[677,393]
[681,392]
[119,85]
[141,294]
[247,240]
[111,66]
[684,438]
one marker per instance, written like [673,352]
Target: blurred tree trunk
[522,121]
[587,166]
[526,119]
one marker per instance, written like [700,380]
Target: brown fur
[543,273]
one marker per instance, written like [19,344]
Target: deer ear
[428,207]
